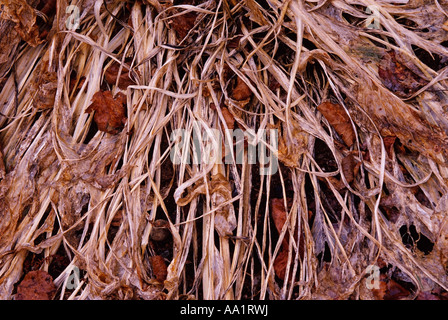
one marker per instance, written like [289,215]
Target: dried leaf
[279,216]
[348,165]
[241,91]
[45,86]
[228,118]
[397,77]
[2,165]
[280,264]
[339,120]
[159,268]
[37,285]
[111,76]
[390,290]
[182,24]
[24,17]
[389,144]
[110,114]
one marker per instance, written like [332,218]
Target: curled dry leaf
[339,120]
[110,112]
[111,76]
[37,285]
[397,77]
[159,268]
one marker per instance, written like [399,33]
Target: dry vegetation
[86,178]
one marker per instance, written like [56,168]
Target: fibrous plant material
[113,114]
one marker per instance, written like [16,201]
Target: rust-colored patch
[37,285]
[159,268]
[110,112]
[339,120]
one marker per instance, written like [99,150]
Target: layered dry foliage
[363,148]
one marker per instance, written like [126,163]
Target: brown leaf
[45,85]
[279,216]
[110,112]
[241,91]
[397,77]
[24,17]
[37,285]
[348,165]
[339,120]
[280,264]
[159,268]
[228,118]
[390,290]
[389,144]
[2,165]
[111,76]
[182,24]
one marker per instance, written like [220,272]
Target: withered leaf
[389,289]
[280,264]
[182,24]
[397,77]
[348,167]
[241,91]
[279,216]
[110,112]
[228,118]
[45,86]
[111,76]
[24,17]
[389,144]
[159,268]
[339,120]
[2,165]
[37,285]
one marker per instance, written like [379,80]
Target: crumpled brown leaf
[45,85]
[339,120]
[110,112]
[37,285]
[397,77]
[24,17]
